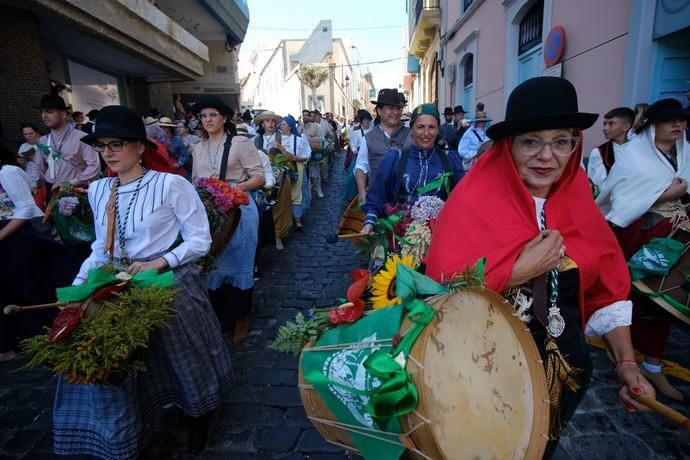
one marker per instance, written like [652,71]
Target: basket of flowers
[108,320]
[72,215]
[222,202]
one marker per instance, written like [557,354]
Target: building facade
[617,52]
[273,78]
[132,52]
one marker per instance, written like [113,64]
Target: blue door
[672,67]
[468,100]
[530,64]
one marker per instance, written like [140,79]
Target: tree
[313,76]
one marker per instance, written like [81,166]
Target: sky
[379,35]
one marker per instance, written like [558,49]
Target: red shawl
[153,158]
[491,214]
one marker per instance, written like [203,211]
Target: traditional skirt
[300,193]
[282,211]
[187,364]
[350,184]
[235,266]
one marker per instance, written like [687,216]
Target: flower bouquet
[280,163]
[222,202]
[72,215]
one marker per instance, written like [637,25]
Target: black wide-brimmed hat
[541,103]
[213,102]
[390,96]
[362,114]
[665,110]
[49,101]
[459,109]
[119,122]
[448,111]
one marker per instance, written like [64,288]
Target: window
[531,28]
[466,4]
[468,70]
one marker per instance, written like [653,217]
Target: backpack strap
[403,157]
[224,160]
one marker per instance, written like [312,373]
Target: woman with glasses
[187,361]
[646,197]
[224,154]
[526,207]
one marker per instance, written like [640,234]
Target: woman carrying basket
[187,361]
[234,159]
[526,207]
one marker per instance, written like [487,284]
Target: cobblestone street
[262,417]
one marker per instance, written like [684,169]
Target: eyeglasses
[209,115]
[561,146]
[114,146]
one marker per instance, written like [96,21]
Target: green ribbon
[443,180]
[100,278]
[388,223]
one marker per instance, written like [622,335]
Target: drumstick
[352,236]
[14,309]
[661,409]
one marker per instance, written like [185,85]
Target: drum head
[481,382]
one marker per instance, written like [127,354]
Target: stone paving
[262,417]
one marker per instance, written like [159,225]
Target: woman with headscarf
[187,361]
[403,173]
[645,197]
[526,207]
[234,159]
[296,148]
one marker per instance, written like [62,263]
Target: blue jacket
[382,187]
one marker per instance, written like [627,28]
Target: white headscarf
[639,176]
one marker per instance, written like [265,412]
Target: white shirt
[17,188]
[165,205]
[301,142]
[270,179]
[470,143]
[607,318]
[267,141]
[596,171]
[357,139]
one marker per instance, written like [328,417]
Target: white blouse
[607,318]
[165,206]
[17,193]
[303,149]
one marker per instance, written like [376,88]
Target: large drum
[671,292]
[481,384]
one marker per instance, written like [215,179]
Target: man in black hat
[88,127]
[448,134]
[68,159]
[388,135]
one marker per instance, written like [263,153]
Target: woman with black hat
[235,159]
[645,197]
[187,362]
[403,173]
[526,208]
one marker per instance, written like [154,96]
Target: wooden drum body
[481,384]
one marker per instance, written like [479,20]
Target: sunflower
[383,291]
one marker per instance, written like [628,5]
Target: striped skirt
[187,364]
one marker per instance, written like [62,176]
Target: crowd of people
[521,197]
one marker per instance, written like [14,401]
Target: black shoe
[198,433]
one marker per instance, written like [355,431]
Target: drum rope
[351,345]
[362,431]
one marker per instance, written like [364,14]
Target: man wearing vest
[67,159]
[617,122]
[389,134]
[473,139]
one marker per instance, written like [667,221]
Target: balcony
[425,23]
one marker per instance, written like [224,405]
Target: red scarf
[491,214]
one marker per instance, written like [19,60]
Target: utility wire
[333,29]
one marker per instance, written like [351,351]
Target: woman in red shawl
[526,206]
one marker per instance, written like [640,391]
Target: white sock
[653,368]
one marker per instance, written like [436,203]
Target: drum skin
[481,383]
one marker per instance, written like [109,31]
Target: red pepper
[347,314]
[65,323]
[105,292]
